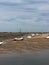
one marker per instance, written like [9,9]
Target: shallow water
[28,58]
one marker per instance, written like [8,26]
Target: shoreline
[36,43]
[19,46]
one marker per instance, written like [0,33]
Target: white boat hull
[1,42]
[18,39]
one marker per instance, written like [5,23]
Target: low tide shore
[36,43]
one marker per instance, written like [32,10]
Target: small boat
[29,37]
[37,34]
[18,39]
[32,35]
[47,37]
[1,42]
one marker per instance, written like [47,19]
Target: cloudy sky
[29,15]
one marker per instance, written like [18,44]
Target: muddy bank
[35,44]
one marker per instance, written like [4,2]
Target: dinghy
[18,39]
[32,35]
[47,37]
[37,34]
[29,37]
[1,42]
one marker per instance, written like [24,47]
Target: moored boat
[18,39]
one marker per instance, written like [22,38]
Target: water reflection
[28,58]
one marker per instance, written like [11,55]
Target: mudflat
[36,43]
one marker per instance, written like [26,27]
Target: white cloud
[14,1]
[44,7]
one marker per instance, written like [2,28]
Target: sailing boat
[19,38]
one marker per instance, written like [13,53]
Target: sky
[27,15]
